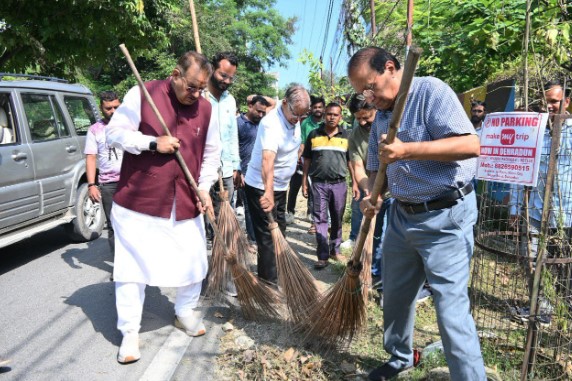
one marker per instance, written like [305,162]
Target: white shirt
[278,135]
[123,132]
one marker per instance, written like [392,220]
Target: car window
[81,112]
[45,117]
[8,134]
[63,129]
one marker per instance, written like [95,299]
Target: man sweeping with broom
[159,233]
[272,164]
[430,228]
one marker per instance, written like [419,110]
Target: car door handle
[71,148]
[19,156]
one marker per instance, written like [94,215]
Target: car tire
[89,220]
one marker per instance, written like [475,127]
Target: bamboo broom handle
[178,155]
[399,106]
[195,26]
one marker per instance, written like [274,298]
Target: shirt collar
[222,96]
[289,125]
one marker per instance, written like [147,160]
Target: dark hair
[556,83]
[479,103]
[375,57]
[107,96]
[186,60]
[229,56]
[333,104]
[358,103]
[315,99]
[259,99]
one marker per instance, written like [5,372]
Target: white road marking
[167,359]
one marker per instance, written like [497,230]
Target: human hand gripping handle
[406,79]
[203,202]
[167,144]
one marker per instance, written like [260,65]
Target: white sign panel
[511,144]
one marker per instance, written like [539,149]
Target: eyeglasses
[192,89]
[298,117]
[369,92]
[225,76]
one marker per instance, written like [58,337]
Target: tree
[79,41]
[56,37]
[470,42]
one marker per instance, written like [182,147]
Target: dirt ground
[270,350]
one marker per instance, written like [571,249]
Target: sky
[310,33]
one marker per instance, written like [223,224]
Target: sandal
[312,229]
[321,265]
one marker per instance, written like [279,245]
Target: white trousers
[129,299]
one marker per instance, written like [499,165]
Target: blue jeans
[437,245]
[378,232]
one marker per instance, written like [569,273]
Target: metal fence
[521,285]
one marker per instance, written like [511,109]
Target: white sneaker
[230,289]
[239,211]
[129,349]
[192,325]
[289,218]
[349,244]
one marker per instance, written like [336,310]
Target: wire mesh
[518,238]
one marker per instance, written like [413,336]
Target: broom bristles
[297,283]
[257,299]
[366,259]
[234,241]
[340,313]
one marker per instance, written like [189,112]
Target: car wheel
[89,220]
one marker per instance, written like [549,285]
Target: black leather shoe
[384,372]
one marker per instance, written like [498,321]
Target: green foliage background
[468,43]
[78,40]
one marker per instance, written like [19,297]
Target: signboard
[511,145]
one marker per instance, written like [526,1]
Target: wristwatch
[153,146]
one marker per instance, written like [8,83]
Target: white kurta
[152,250]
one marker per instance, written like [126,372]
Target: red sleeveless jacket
[150,182]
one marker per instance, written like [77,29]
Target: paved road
[57,319]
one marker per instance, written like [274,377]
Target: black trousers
[228,184]
[295,185]
[266,254]
[107,191]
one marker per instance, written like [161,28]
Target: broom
[232,238]
[366,258]
[295,280]
[340,313]
[256,298]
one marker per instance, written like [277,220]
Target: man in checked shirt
[430,227]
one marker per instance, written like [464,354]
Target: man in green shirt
[317,105]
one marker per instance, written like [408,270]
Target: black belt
[446,201]
[336,181]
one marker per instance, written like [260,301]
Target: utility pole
[409,26]
[331,74]
[373,26]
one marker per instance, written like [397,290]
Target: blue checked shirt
[561,210]
[432,112]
